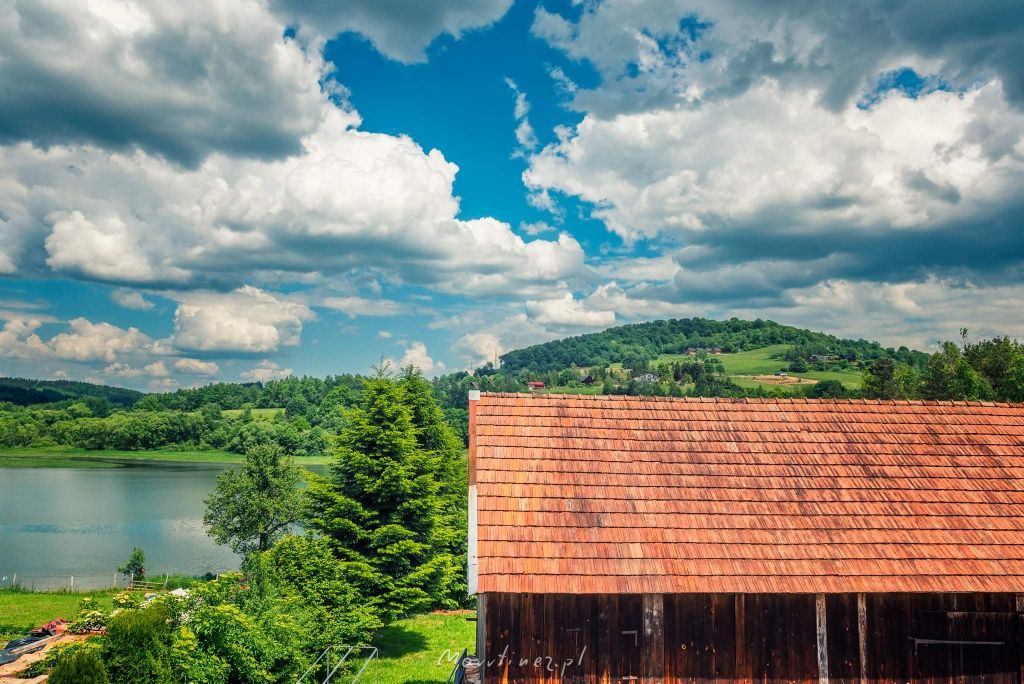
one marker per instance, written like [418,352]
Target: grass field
[742,366]
[412,651]
[71,457]
[20,611]
[257,413]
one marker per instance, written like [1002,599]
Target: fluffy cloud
[904,163]
[658,54]
[351,200]
[479,348]
[567,311]
[264,371]
[400,30]
[106,250]
[88,341]
[196,367]
[248,320]
[131,299]
[416,355]
[83,341]
[178,79]
[19,340]
[157,369]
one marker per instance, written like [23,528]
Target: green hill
[642,343]
[25,392]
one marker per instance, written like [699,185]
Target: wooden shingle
[629,495]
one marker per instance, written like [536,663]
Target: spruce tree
[434,434]
[381,506]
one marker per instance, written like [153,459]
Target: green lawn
[257,413]
[20,611]
[413,651]
[850,377]
[755,361]
[71,457]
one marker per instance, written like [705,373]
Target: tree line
[988,370]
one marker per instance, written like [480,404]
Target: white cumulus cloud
[264,371]
[131,299]
[247,320]
[196,367]
[416,355]
[568,311]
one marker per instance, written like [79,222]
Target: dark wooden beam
[652,658]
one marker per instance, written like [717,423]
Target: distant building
[648,377]
[535,384]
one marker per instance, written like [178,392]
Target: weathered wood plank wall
[655,639]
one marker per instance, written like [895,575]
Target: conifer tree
[434,434]
[382,506]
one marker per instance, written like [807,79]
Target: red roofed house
[625,539]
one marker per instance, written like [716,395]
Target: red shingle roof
[629,495]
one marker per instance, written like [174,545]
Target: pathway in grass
[414,651]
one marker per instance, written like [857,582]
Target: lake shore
[72,457]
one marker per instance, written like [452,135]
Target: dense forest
[25,392]
[636,345]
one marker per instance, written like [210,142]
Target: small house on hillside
[535,384]
[627,539]
[648,378]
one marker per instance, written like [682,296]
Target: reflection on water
[55,522]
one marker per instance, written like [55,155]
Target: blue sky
[231,190]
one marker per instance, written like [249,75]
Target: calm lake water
[55,523]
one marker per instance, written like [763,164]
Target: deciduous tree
[253,506]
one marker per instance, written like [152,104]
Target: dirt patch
[8,671]
[784,380]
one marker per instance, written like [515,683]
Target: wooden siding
[655,639]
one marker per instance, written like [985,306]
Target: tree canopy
[253,506]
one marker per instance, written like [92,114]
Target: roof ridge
[753,400]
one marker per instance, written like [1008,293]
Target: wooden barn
[626,539]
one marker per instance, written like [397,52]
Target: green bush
[80,667]
[138,646]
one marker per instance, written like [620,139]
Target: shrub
[80,667]
[831,389]
[135,565]
[798,366]
[138,646]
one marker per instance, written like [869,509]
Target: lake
[57,522]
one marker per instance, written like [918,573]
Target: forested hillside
[637,345]
[24,392]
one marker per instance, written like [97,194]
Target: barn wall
[598,639]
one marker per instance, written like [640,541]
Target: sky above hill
[239,190]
